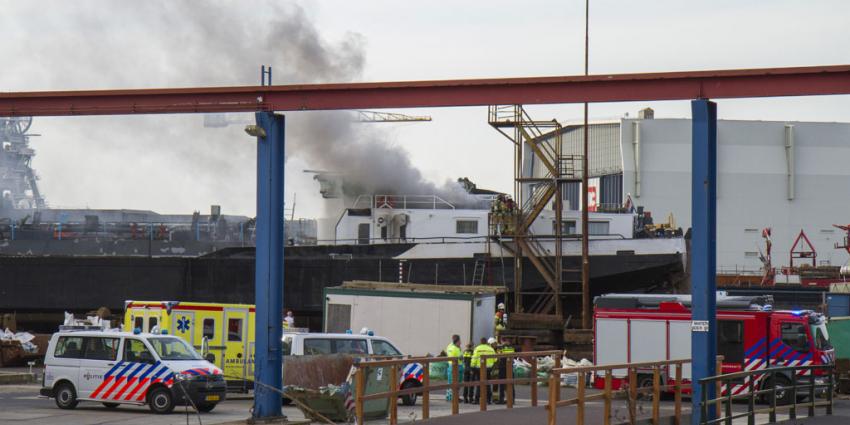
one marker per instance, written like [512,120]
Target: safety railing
[395,366]
[629,390]
[778,387]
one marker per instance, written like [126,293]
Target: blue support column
[703,249]
[268,359]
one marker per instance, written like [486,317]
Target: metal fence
[770,391]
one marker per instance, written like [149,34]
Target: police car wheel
[111,405]
[160,401]
[410,399]
[66,396]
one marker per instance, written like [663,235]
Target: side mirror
[210,357]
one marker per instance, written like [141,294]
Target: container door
[183,326]
[236,343]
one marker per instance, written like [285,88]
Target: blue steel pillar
[703,249]
[268,359]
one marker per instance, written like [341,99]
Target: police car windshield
[174,349]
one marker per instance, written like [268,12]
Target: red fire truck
[631,328]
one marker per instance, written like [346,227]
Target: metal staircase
[534,191]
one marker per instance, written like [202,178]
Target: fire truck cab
[631,328]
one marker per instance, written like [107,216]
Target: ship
[76,260]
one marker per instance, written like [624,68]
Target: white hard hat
[501,306]
[491,340]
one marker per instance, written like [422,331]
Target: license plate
[212,398]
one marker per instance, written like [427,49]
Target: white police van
[129,368]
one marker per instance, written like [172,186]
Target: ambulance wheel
[66,396]
[206,408]
[111,405]
[783,390]
[409,399]
[160,401]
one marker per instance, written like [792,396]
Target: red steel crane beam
[768,82]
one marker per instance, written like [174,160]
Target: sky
[173,164]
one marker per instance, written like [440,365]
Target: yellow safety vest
[483,349]
[507,349]
[453,351]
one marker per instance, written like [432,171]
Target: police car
[129,368]
[363,344]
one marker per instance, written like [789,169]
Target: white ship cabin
[382,219]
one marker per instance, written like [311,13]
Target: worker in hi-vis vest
[453,351]
[468,392]
[478,369]
[504,364]
[501,319]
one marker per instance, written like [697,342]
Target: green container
[839,336]
[377,381]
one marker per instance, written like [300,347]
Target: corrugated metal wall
[611,189]
[571,192]
[604,143]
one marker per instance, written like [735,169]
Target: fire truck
[632,328]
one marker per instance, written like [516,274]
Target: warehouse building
[789,176]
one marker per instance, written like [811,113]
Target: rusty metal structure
[718,84]
[533,194]
[18,182]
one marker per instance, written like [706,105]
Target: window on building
[234,330]
[598,227]
[466,227]
[568,227]
[402,231]
[101,348]
[69,347]
[384,232]
[209,328]
[794,334]
[730,340]
[363,234]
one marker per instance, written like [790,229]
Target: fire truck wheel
[66,396]
[410,399]
[783,393]
[644,381]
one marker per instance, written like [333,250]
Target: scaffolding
[533,193]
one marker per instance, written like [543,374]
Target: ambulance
[115,368]
[633,328]
[223,333]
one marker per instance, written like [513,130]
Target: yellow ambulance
[226,331]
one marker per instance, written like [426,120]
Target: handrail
[394,392]
[772,393]
[629,389]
